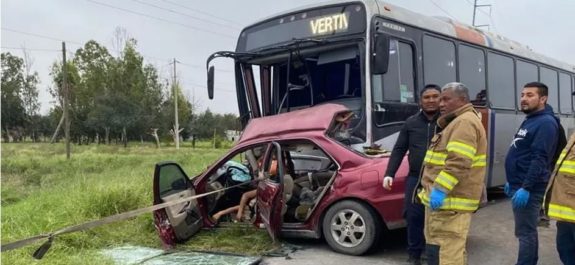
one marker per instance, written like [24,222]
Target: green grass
[41,192]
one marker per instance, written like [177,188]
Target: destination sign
[331,21]
[328,24]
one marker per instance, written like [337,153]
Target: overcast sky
[191,30]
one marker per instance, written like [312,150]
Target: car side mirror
[380,54]
[211,82]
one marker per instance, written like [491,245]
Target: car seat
[288,191]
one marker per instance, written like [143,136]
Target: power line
[201,12]
[30,49]
[444,11]
[59,40]
[184,14]
[160,19]
[39,36]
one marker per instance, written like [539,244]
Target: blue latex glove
[436,198]
[507,190]
[520,198]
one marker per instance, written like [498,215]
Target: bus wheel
[350,227]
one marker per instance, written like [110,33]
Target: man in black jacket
[414,137]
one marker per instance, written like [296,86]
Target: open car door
[179,222]
[270,191]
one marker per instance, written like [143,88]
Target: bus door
[393,92]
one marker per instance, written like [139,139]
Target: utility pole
[475,6]
[176,124]
[66,103]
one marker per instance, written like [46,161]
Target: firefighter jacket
[560,197]
[455,161]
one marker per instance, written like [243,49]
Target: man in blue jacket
[528,166]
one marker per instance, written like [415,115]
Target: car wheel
[350,227]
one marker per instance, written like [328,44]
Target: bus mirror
[380,57]
[211,82]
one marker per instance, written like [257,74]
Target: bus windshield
[300,78]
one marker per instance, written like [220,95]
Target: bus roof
[443,26]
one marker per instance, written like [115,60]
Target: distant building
[232,135]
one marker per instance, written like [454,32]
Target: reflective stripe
[435,158]
[451,203]
[479,161]
[563,155]
[560,211]
[568,166]
[446,180]
[461,148]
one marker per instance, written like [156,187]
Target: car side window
[172,180]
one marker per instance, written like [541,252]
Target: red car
[327,188]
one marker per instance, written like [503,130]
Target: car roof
[313,119]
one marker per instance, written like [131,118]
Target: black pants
[414,214]
[566,242]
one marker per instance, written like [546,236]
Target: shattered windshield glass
[150,256]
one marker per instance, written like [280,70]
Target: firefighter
[453,177]
[560,202]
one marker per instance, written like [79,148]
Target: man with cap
[414,137]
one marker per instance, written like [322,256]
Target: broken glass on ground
[131,255]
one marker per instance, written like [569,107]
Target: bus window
[472,73]
[438,61]
[398,83]
[549,78]
[565,103]
[526,72]
[501,81]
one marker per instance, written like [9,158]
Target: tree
[207,122]
[13,110]
[94,63]
[30,96]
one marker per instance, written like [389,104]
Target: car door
[270,200]
[181,221]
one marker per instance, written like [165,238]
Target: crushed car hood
[317,118]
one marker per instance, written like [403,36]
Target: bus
[374,57]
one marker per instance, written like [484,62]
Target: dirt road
[491,241]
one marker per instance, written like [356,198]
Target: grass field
[43,192]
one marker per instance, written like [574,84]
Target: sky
[191,30]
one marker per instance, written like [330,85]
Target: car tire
[351,228]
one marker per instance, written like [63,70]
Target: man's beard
[528,110]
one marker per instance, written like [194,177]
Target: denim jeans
[414,214]
[526,220]
[566,242]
